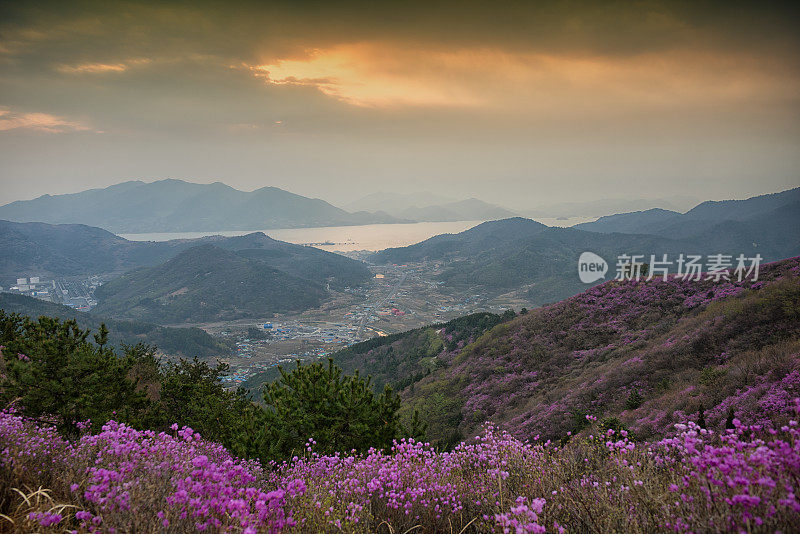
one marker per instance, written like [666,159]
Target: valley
[319,302]
[396,299]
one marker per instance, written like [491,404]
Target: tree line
[54,372]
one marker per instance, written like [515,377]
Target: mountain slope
[176,206]
[466,243]
[515,254]
[72,249]
[512,254]
[206,283]
[397,358]
[64,250]
[610,206]
[184,342]
[635,222]
[645,353]
[741,210]
[304,262]
[773,234]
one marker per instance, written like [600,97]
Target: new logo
[591,267]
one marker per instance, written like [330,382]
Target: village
[398,298]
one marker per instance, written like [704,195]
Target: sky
[517,103]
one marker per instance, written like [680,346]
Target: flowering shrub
[521,517]
[121,479]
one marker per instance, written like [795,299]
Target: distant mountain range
[183,342]
[470,209]
[178,282]
[513,253]
[178,206]
[206,283]
[429,207]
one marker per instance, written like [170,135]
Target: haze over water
[349,238]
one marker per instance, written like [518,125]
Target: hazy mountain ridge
[635,222]
[694,222]
[429,207]
[72,249]
[395,202]
[177,206]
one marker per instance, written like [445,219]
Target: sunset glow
[42,122]
[524,102]
[385,75]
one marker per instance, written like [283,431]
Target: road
[380,304]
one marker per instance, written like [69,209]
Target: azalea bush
[121,479]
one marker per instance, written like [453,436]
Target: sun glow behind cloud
[368,75]
[376,74]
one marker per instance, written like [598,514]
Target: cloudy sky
[520,103]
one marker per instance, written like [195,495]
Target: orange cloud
[376,74]
[97,68]
[358,75]
[41,122]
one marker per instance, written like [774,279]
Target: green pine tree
[53,372]
[339,412]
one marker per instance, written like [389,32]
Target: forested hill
[304,262]
[400,359]
[206,283]
[39,249]
[183,342]
[523,255]
[517,254]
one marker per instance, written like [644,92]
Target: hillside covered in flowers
[650,406]
[124,480]
[644,355]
